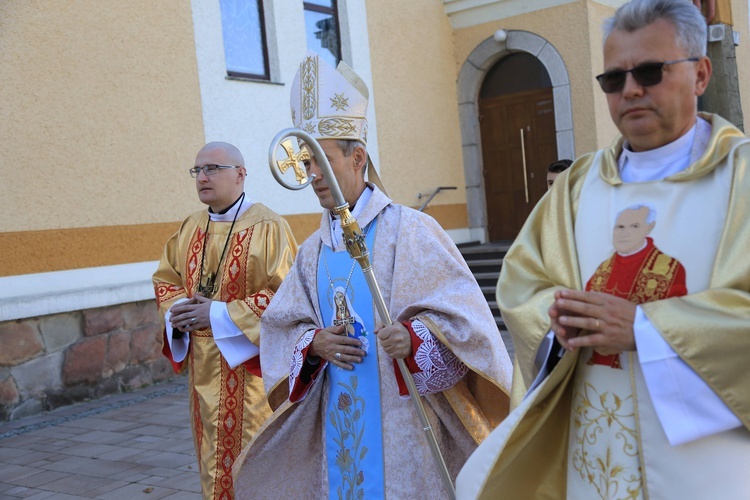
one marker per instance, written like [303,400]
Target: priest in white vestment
[631,377]
[344,426]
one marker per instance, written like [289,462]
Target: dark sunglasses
[645,75]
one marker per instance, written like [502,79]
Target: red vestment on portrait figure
[644,276]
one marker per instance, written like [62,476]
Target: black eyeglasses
[209,169]
[646,75]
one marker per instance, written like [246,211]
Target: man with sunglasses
[216,277]
[667,416]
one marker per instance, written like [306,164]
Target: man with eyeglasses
[635,386]
[216,277]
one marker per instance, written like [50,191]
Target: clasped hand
[333,345]
[194,314]
[593,319]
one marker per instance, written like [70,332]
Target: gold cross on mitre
[293,160]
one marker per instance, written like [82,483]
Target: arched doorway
[470,80]
[517,127]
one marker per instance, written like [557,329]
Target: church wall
[607,131]
[101,100]
[100,103]
[60,359]
[414,83]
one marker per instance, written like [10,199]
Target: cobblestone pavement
[128,446]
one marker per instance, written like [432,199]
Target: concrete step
[501,246]
[492,275]
[484,262]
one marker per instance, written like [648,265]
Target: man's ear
[360,157]
[650,227]
[702,75]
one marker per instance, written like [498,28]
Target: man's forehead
[631,213]
[212,155]
[653,42]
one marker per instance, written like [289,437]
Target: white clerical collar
[359,205]
[656,164]
[644,245]
[231,213]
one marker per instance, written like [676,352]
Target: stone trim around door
[470,79]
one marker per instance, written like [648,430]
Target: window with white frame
[245,48]
[322,28]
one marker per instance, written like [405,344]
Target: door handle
[523,160]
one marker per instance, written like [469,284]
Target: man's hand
[562,333]
[337,348]
[192,315]
[395,340]
[607,319]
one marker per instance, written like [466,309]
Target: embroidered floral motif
[339,102]
[261,301]
[441,369]
[309,128]
[605,415]
[345,401]
[336,127]
[258,302]
[349,429]
[167,291]
[297,357]
[309,84]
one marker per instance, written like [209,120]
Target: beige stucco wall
[607,131]
[414,83]
[97,98]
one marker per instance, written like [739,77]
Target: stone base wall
[60,359]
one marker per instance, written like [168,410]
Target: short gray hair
[689,23]
[347,146]
[650,217]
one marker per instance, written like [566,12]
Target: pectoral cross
[348,320]
[293,161]
[209,289]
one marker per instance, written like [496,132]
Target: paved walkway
[129,446]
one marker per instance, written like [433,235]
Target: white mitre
[329,103]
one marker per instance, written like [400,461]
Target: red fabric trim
[411,364]
[307,376]
[167,352]
[253,366]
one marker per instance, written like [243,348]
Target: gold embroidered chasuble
[227,405]
[527,456]
[421,275]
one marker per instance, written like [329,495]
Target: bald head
[224,185]
[230,154]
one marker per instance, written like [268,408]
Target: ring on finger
[597,324]
[337,356]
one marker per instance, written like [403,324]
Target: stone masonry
[61,359]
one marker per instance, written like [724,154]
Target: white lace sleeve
[441,369]
[297,358]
